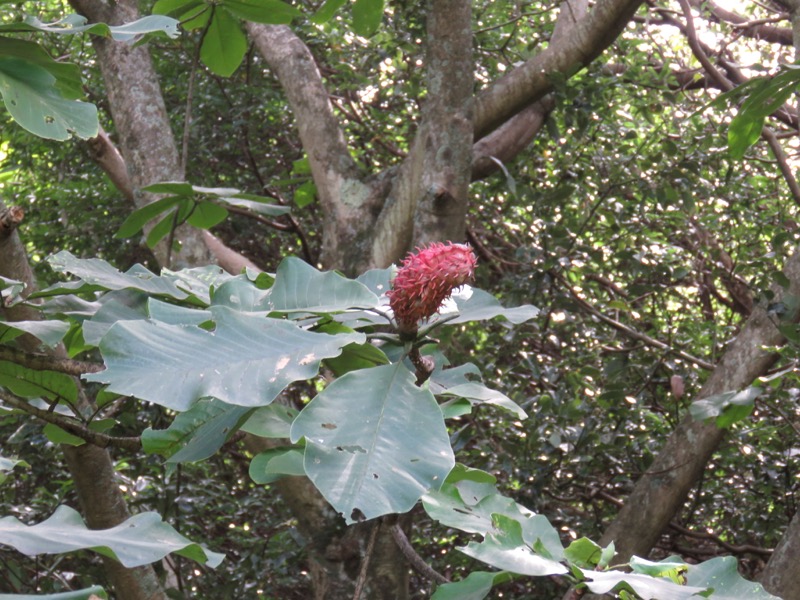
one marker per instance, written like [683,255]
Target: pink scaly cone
[426,279]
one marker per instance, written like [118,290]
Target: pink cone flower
[426,279]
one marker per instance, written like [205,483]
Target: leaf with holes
[375,442]
[140,540]
[247,360]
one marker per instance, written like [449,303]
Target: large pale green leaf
[273,421]
[505,549]
[602,582]
[140,540]
[375,442]
[247,360]
[256,204]
[300,287]
[68,76]
[96,274]
[473,391]
[224,43]
[241,294]
[30,94]
[722,574]
[452,506]
[84,594]
[727,407]
[116,306]
[197,433]
[476,586]
[122,33]
[50,332]
[472,304]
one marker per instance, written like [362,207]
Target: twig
[414,559]
[43,362]
[423,364]
[642,337]
[362,574]
[726,84]
[72,426]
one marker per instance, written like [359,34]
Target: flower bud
[426,279]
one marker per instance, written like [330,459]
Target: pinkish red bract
[426,279]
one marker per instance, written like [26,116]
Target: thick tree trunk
[662,490]
[782,577]
[92,469]
[141,122]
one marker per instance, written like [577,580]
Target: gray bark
[781,577]
[530,82]
[141,122]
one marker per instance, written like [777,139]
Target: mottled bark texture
[782,576]
[662,490]
[530,82]
[140,121]
[92,470]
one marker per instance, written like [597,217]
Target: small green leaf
[33,383]
[224,44]
[326,11]
[55,434]
[165,7]
[584,553]
[728,407]
[141,216]
[163,228]
[305,194]
[206,215]
[270,12]
[273,464]
[367,16]
[8,464]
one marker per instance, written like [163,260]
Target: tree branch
[766,133]
[530,82]
[414,559]
[72,426]
[628,331]
[45,362]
